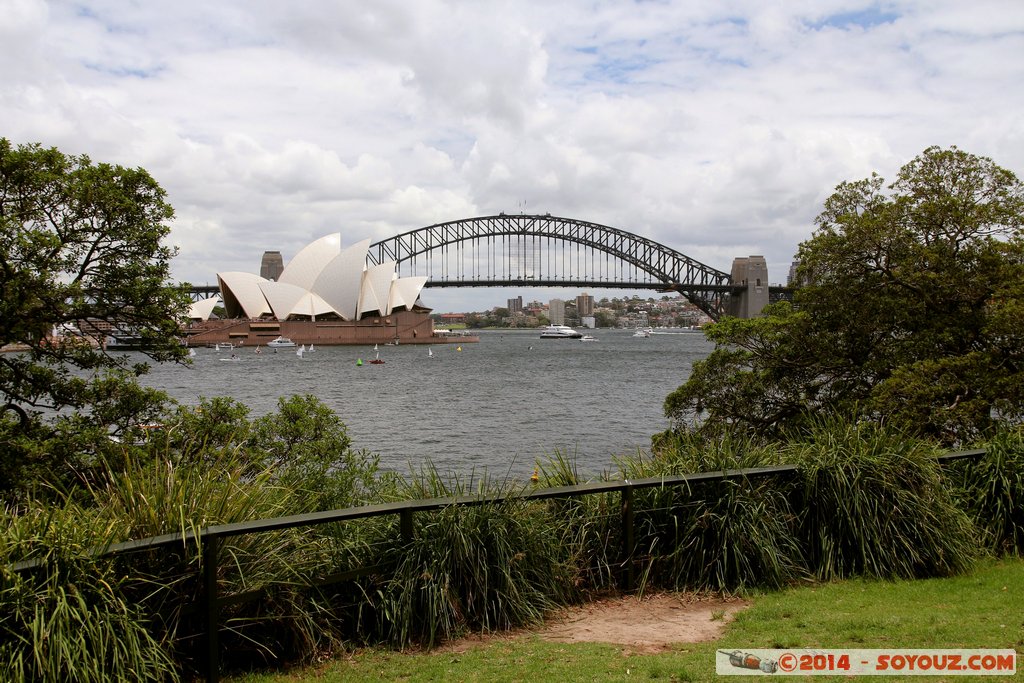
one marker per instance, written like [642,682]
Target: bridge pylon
[749,281]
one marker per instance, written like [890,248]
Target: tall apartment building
[515,305]
[556,312]
[584,305]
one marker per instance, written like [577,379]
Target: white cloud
[717,128]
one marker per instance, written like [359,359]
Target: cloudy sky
[717,128]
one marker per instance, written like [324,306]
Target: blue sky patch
[866,19]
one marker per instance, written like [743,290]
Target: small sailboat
[257,351]
[191,353]
[377,360]
[311,349]
[374,347]
[301,350]
[430,353]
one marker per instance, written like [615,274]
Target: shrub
[719,535]
[485,567]
[286,620]
[992,491]
[590,525]
[68,616]
[874,502]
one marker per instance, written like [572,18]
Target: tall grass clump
[874,503]
[719,535]
[992,491]
[67,618]
[488,567]
[208,465]
[156,496]
[591,526]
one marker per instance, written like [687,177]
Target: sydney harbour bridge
[520,250]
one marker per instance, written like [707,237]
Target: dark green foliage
[590,526]
[728,536]
[303,446]
[81,253]
[70,619]
[716,535]
[207,466]
[486,567]
[874,503]
[865,501]
[80,244]
[60,455]
[489,566]
[993,491]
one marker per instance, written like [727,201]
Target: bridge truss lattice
[549,251]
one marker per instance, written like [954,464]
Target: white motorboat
[643,332]
[588,338]
[560,332]
[280,343]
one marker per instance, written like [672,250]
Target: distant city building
[791,279]
[584,304]
[272,266]
[452,318]
[515,305]
[588,321]
[556,312]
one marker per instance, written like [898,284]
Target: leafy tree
[605,319]
[908,310]
[308,448]
[80,252]
[303,446]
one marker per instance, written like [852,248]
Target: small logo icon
[745,660]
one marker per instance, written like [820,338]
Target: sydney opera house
[324,295]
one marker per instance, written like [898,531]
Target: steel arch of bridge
[663,268]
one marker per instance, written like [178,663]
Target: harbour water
[498,405]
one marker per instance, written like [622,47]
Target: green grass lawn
[984,609]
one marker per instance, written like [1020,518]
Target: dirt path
[648,624]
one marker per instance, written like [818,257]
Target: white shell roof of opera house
[323,278]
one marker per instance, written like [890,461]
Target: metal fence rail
[210,539]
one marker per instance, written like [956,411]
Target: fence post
[405,523]
[629,538]
[211,548]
